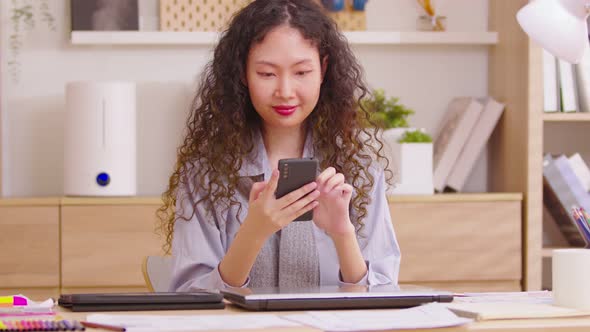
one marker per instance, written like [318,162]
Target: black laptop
[332,297]
[142,301]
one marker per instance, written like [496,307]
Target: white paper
[144,323]
[431,315]
[542,297]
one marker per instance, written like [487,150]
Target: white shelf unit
[210,38]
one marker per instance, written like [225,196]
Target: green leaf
[386,112]
[415,136]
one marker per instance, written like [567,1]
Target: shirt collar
[256,162]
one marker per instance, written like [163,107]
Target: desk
[517,325]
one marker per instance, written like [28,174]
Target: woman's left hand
[332,214]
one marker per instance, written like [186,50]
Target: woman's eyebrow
[268,63]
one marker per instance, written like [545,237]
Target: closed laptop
[332,297]
[142,301]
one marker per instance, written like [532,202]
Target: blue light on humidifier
[103,179]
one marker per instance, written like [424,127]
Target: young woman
[283,83]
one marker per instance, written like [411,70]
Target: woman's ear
[244,80]
[324,66]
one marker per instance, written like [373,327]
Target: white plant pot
[415,169]
[410,163]
[390,138]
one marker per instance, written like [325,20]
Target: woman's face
[284,75]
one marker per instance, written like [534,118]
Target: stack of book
[566,86]
[461,138]
[565,195]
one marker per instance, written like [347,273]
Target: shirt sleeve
[380,248]
[197,248]
[364,280]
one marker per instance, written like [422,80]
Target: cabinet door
[30,246]
[459,241]
[103,245]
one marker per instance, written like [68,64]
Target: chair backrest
[157,272]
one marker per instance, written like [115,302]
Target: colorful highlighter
[11,301]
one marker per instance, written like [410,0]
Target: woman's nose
[285,88]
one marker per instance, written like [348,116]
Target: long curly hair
[222,119]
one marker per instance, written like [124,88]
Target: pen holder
[570,275]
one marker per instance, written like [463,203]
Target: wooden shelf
[56,201]
[463,197]
[548,252]
[148,200]
[30,201]
[566,117]
[111,201]
[210,38]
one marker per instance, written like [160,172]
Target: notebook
[512,310]
[332,297]
[142,301]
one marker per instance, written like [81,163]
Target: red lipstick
[285,109]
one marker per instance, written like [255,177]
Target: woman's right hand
[267,214]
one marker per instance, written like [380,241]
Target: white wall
[424,77]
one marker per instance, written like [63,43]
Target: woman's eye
[265,74]
[303,72]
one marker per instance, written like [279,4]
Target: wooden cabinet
[104,241]
[466,242]
[29,233]
[462,242]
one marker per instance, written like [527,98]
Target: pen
[585,215]
[102,326]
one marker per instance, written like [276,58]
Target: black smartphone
[293,174]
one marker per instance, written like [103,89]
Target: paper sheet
[144,323]
[544,297]
[427,316]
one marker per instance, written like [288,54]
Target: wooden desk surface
[515,325]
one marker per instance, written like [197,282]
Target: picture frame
[104,15]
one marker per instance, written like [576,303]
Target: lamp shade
[559,26]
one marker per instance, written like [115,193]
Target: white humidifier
[100,139]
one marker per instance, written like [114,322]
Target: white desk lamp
[559,26]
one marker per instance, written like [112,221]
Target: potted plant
[386,113]
[414,149]
[408,150]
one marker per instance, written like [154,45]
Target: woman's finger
[257,188]
[295,195]
[325,175]
[344,189]
[293,209]
[298,210]
[333,182]
[271,187]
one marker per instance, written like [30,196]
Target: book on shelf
[581,169]
[551,100]
[476,143]
[563,191]
[582,77]
[567,87]
[452,133]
